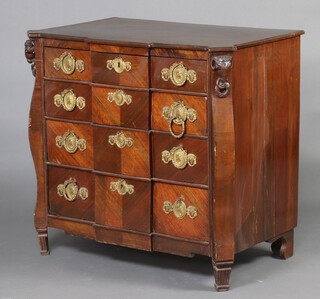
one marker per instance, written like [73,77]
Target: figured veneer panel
[80,90]
[133,160]
[60,155]
[128,211]
[169,224]
[199,104]
[79,208]
[51,53]
[199,66]
[137,76]
[134,114]
[192,174]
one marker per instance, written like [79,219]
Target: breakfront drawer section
[122,151]
[70,143]
[71,193]
[179,114]
[184,160]
[68,100]
[123,203]
[119,69]
[121,107]
[174,73]
[67,64]
[181,211]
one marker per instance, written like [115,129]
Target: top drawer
[121,70]
[67,64]
[174,73]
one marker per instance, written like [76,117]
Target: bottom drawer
[123,204]
[71,193]
[181,211]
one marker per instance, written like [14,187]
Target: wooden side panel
[60,155]
[200,67]
[134,114]
[267,140]
[199,104]
[51,53]
[79,208]
[128,211]
[168,224]
[137,76]
[191,174]
[53,88]
[130,160]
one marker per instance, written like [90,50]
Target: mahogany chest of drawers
[167,137]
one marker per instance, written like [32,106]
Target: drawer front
[123,203]
[67,64]
[118,69]
[179,114]
[69,143]
[68,100]
[71,193]
[181,211]
[184,160]
[121,107]
[174,73]
[121,151]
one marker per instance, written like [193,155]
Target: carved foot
[43,241]
[283,246]
[222,272]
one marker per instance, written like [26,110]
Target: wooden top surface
[147,33]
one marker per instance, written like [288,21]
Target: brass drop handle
[71,142]
[120,140]
[121,187]
[179,208]
[68,64]
[68,100]
[70,190]
[178,114]
[179,157]
[118,65]
[178,74]
[119,97]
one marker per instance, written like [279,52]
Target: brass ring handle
[121,187]
[68,64]
[178,74]
[68,100]
[179,208]
[70,190]
[71,142]
[179,157]
[178,114]
[119,65]
[120,140]
[119,97]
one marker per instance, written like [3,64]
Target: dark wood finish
[195,174]
[51,53]
[159,123]
[200,67]
[60,155]
[123,238]
[169,224]
[245,139]
[159,34]
[129,211]
[134,160]
[80,90]
[137,77]
[134,115]
[178,246]
[79,208]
